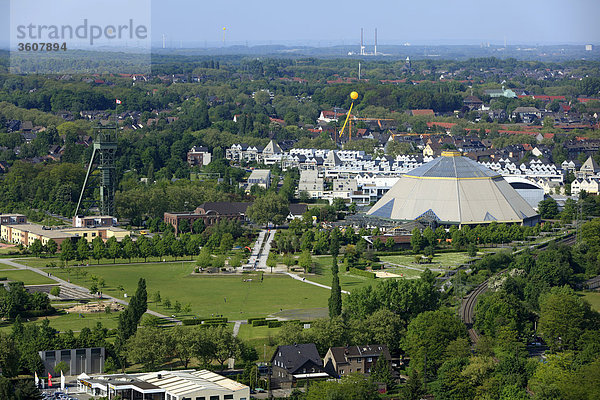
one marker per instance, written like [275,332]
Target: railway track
[467,308]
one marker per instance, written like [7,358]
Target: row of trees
[221,240]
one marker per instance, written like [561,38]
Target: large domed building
[454,190]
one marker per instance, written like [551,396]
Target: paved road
[11,262]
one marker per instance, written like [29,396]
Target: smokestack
[375,41]
[362,47]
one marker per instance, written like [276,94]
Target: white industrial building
[164,385]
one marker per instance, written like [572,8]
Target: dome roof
[453,190]
[452,165]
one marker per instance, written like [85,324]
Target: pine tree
[335,300]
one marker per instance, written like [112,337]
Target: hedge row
[206,321]
[359,272]
[250,320]
[3,278]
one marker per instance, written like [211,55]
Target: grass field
[323,275]
[262,338]
[443,260]
[74,322]
[207,295]
[27,277]
[593,298]
[405,272]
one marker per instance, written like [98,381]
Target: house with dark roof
[342,361]
[294,363]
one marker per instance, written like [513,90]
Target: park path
[301,279]
[11,262]
[236,326]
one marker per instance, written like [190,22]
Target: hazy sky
[315,22]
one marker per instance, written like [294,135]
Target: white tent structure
[452,189]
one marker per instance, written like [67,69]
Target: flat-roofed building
[106,233]
[93,221]
[26,234]
[12,219]
[165,385]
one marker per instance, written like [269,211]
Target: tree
[416,240]
[184,341]
[351,387]
[36,247]
[225,344]
[113,248]
[563,317]
[427,337]
[270,208]
[51,247]
[335,298]
[98,248]
[177,249]
[305,261]
[548,208]
[62,367]
[272,260]
[149,346]
[67,252]
[83,250]
[204,260]
[156,297]
[55,291]
[334,242]
[139,302]
[226,243]
[145,247]
[382,372]
[130,249]
[9,356]
[288,260]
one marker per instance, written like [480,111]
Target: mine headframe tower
[100,180]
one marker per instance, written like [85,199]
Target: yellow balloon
[354,95]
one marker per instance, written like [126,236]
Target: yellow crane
[353,96]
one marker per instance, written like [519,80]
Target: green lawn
[444,260]
[207,294]
[262,338]
[27,277]
[593,298]
[323,274]
[405,272]
[74,322]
